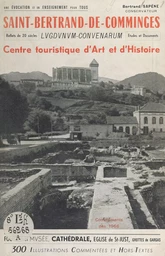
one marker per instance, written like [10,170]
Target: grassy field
[80,106]
[63,103]
[93,107]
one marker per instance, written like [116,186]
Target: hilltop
[151,80]
[17,76]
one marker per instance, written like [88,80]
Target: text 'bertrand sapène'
[81,22]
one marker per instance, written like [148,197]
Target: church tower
[94,66]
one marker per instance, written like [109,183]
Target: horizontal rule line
[36,10]
[97,234]
[23,242]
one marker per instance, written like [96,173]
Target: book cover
[82,127]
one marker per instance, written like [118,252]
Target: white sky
[113,65]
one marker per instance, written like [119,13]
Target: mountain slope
[150,80]
[107,79]
[16,76]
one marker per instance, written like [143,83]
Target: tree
[44,104]
[112,111]
[102,84]
[38,121]
[38,92]
[97,93]
[59,124]
[27,88]
[135,100]
[69,94]
[33,99]
[121,87]
[13,109]
[38,102]
[100,118]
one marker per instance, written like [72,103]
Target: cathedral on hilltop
[76,75]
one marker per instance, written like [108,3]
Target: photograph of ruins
[83,151]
